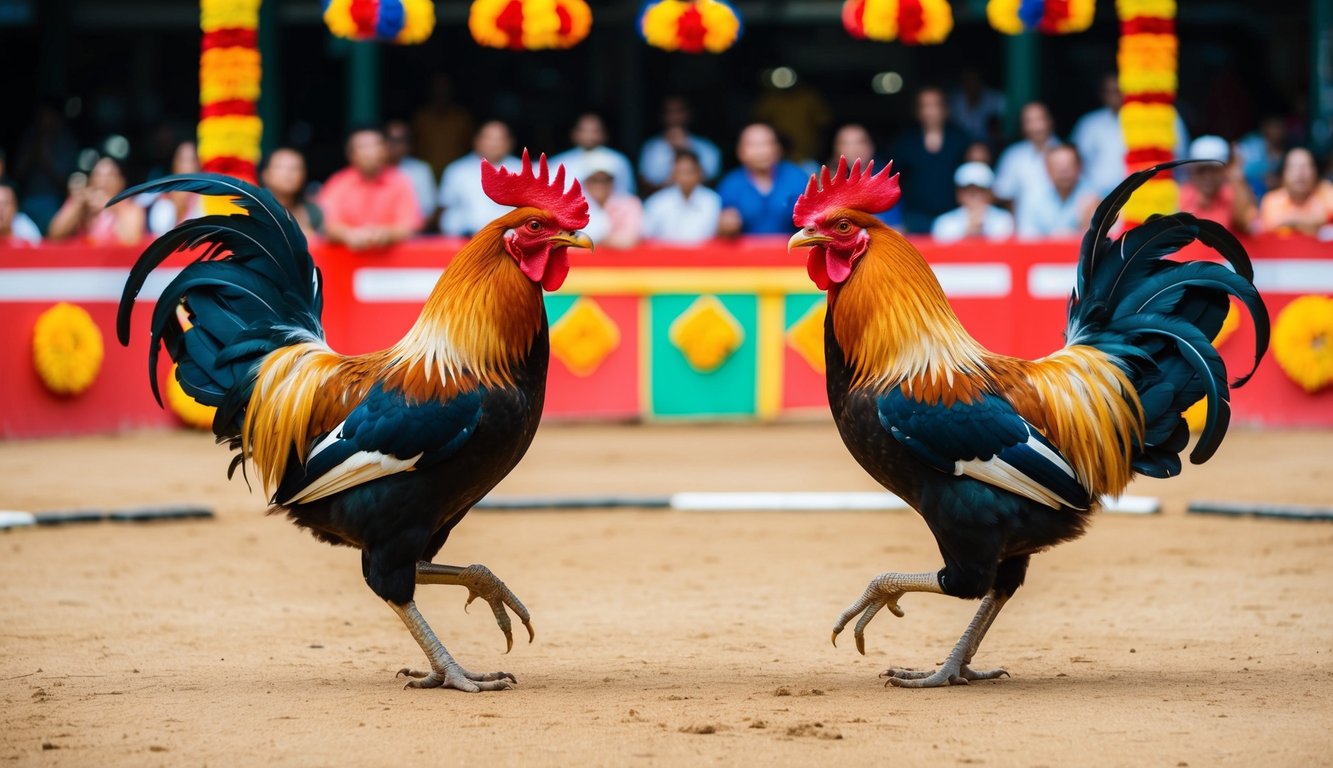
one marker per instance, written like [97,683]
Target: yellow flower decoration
[67,349]
[195,414]
[1303,341]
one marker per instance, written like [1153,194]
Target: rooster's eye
[534,225]
[844,226]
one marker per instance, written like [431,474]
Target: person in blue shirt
[758,197]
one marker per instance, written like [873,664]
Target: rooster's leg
[955,669]
[883,592]
[480,582]
[444,671]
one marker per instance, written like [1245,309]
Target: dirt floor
[662,637]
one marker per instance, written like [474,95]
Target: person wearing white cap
[1217,190]
[615,219]
[976,215]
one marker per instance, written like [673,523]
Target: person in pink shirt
[369,204]
[615,220]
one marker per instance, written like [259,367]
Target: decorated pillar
[229,72]
[1148,58]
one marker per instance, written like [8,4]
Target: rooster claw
[459,679]
[482,583]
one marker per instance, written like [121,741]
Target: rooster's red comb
[861,190]
[537,190]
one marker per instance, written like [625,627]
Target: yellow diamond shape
[707,334]
[806,336]
[584,336]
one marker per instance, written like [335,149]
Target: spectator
[442,128]
[15,228]
[1024,162]
[976,109]
[398,139]
[686,212]
[978,152]
[284,175]
[658,157]
[167,210]
[1218,190]
[976,215]
[614,220]
[24,228]
[1058,203]
[588,134]
[1261,154]
[1100,143]
[85,214]
[1304,202]
[927,157]
[758,197]
[466,207]
[853,142]
[369,204]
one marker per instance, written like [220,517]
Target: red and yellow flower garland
[914,22]
[229,125]
[690,26]
[1051,17]
[405,22]
[529,24]
[1147,58]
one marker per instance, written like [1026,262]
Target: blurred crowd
[407,178]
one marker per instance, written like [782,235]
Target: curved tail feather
[1158,318]
[252,290]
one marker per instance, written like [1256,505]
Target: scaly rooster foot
[883,591]
[480,582]
[949,674]
[459,679]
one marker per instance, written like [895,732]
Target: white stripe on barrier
[77,283]
[968,281]
[832,501]
[390,284]
[1051,281]
[1295,275]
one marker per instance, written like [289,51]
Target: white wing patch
[997,472]
[361,467]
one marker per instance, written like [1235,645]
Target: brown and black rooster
[1006,457]
[385,452]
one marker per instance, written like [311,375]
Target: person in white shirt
[686,212]
[1060,203]
[1101,144]
[15,228]
[658,157]
[976,215]
[398,140]
[167,210]
[466,207]
[1024,162]
[589,134]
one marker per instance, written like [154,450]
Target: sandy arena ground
[662,637]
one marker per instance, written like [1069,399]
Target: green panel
[557,306]
[798,305]
[678,389]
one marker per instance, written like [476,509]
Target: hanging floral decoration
[913,22]
[229,126]
[193,413]
[67,349]
[405,22]
[1303,342]
[1148,58]
[1051,17]
[690,26]
[529,25]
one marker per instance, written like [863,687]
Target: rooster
[1004,457]
[386,451]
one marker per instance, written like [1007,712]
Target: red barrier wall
[1023,318]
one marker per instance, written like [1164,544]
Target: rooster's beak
[806,238]
[572,240]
